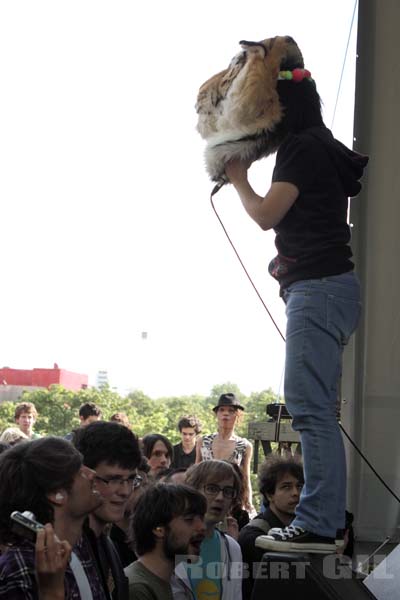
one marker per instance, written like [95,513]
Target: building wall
[371,384]
[15,376]
[43,378]
[12,393]
[73,381]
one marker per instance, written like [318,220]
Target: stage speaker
[309,576]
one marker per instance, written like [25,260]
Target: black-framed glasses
[212,489]
[114,483]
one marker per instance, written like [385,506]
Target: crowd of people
[128,518]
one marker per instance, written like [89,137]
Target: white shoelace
[287,533]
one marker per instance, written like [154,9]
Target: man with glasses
[217,575]
[120,530]
[113,451]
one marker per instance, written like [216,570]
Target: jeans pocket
[343,315]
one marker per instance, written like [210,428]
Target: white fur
[218,154]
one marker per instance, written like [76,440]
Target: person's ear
[57,498]
[159,532]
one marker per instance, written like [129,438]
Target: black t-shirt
[181,459]
[250,552]
[122,546]
[313,237]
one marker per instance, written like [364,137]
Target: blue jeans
[321,316]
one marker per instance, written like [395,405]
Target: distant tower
[102,379]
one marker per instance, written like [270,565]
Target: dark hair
[274,468]
[168,476]
[190,421]
[144,465]
[29,472]
[25,407]
[301,106]
[4,447]
[89,409]
[158,505]
[149,441]
[198,475]
[110,442]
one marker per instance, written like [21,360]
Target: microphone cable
[214,191]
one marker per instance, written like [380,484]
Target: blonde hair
[199,475]
[13,435]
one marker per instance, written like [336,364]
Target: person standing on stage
[306,205]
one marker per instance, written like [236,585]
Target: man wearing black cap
[226,445]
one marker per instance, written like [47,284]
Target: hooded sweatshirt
[313,237]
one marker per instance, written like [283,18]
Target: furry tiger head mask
[239,109]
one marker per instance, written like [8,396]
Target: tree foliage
[58,410]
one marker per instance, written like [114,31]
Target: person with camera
[47,478]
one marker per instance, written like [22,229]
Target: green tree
[7,415]
[58,411]
[146,415]
[58,408]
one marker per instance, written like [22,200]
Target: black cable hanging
[368,463]
[218,187]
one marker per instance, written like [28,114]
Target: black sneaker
[295,539]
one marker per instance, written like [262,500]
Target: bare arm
[199,444]
[246,464]
[266,211]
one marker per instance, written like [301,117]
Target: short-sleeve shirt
[183,460]
[145,585]
[313,237]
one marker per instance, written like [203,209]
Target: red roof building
[43,378]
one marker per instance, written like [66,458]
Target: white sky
[106,225]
